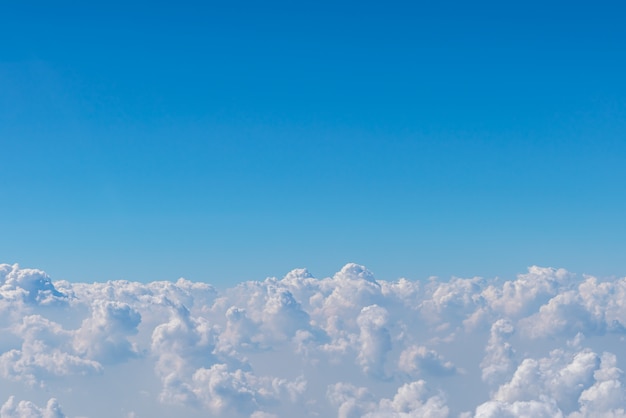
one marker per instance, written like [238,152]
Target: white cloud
[240,392]
[103,336]
[374,339]
[351,401]
[499,358]
[411,400]
[27,409]
[419,360]
[45,352]
[29,285]
[541,408]
[546,343]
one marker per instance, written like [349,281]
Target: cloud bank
[547,343]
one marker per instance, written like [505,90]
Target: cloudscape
[547,343]
[312,208]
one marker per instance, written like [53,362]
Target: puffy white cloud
[605,398]
[180,346]
[29,285]
[528,292]
[374,339]
[351,401]
[103,336]
[451,302]
[542,408]
[546,343]
[417,360]
[499,358]
[231,392]
[566,383]
[411,400]
[27,409]
[45,352]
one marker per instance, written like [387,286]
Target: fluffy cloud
[27,409]
[411,400]
[417,360]
[103,335]
[44,353]
[27,285]
[374,339]
[546,343]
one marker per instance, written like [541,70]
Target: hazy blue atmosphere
[227,141]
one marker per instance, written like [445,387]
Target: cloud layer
[545,344]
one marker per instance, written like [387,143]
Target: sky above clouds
[224,142]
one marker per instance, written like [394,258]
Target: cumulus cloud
[418,360]
[26,409]
[374,339]
[499,354]
[28,285]
[103,335]
[411,400]
[45,352]
[546,343]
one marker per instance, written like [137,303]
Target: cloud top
[546,343]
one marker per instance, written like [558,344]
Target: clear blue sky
[223,141]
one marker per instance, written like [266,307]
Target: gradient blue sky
[223,141]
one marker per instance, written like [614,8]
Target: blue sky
[224,142]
